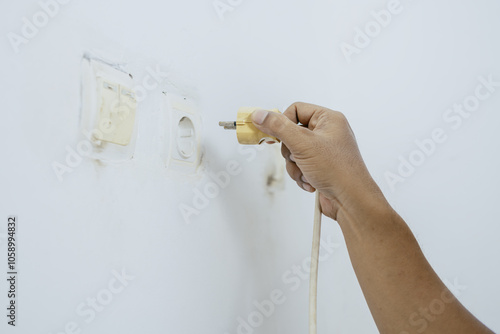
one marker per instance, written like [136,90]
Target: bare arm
[402,290]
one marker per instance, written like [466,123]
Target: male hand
[321,153]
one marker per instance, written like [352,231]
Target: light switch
[116,113]
[109,106]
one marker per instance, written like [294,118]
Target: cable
[248,134]
[313,278]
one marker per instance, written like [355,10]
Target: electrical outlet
[184,129]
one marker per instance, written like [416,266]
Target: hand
[321,153]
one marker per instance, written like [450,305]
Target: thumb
[278,125]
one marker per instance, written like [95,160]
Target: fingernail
[303,178]
[258,116]
[292,158]
[308,187]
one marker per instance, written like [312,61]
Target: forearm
[403,292]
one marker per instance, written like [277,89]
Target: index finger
[304,113]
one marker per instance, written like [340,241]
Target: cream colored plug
[246,132]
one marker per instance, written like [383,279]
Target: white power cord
[313,278]
[248,134]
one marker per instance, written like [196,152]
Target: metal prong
[228,125]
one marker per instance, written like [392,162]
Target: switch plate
[117,107]
[108,118]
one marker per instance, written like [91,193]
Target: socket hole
[186,140]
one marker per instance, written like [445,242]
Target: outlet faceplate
[184,129]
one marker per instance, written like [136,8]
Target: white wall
[200,277]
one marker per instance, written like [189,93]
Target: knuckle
[339,116]
[298,104]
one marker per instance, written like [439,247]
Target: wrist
[363,206]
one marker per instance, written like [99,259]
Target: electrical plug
[246,132]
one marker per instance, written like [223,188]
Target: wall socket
[183,128]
